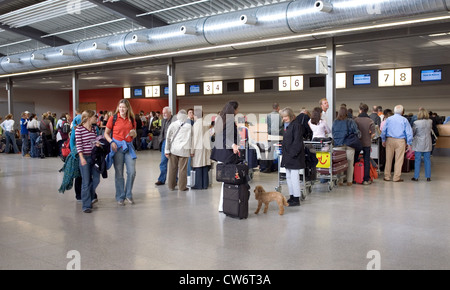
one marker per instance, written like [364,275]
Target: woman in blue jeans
[422,144]
[85,139]
[119,132]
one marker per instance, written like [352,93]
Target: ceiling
[27,25]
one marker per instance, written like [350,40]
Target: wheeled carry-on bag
[235,200]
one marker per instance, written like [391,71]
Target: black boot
[291,198]
[295,201]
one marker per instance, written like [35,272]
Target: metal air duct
[166,38]
[103,48]
[303,16]
[229,28]
[16,63]
[54,58]
[271,21]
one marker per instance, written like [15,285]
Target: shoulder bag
[175,135]
[352,140]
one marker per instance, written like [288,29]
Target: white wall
[35,101]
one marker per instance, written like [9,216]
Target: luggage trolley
[375,152]
[326,170]
[305,185]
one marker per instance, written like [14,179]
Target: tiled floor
[407,224]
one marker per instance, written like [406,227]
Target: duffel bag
[232,173]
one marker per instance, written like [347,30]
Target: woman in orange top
[119,132]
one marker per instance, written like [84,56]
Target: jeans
[124,190]
[90,180]
[34,152]
[163,165]
[426,162]
[25,143]
[11,138]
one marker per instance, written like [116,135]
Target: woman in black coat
[293,155]
[226,148]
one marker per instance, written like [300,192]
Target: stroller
[40,145]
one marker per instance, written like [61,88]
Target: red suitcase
[358,174]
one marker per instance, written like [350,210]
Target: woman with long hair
[293,155]
[226,148]
[342,127]
[85,140]
[120,132]
[319,127]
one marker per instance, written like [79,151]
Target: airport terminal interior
[62,55]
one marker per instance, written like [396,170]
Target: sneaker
[365,183]
[27,155]
[79,200]
[130,200]
[88,210]
[94,200]
[121,202]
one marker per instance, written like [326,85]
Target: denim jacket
[340,130]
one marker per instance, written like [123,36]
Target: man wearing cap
[24,134]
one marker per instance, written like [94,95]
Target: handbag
[433,137]
[232,173]
[410,155]
[173,138]
[352,140]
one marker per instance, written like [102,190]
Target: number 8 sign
[403,77]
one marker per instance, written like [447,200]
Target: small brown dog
[266,197]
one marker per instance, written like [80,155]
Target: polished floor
[385,225]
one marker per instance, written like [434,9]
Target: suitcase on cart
[339,155]
[338,168]
[235,200]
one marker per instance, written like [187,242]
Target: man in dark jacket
[367,128]
[374,116]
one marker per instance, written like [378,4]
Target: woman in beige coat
[201,162]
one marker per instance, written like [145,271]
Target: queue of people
[183,139]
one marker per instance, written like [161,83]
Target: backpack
[65,148]
[65,127]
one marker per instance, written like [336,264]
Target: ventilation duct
[102,48]
[302,16]
[323,6]
[271,21]
[166,38]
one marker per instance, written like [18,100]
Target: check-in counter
[443,140]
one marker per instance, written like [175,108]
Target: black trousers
[201,177]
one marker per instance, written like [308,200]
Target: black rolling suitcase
[235,200]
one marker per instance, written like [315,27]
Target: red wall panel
[107,99]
